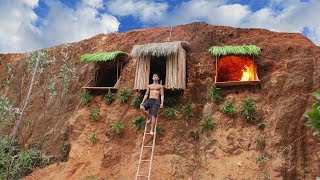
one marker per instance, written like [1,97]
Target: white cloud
[146,11]
[19,33]
[31,3]
[64,24]
[17,26]
[278,15]
[213,12]
[22,30]
[293,17]
[314,35]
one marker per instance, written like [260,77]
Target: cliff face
[289,70]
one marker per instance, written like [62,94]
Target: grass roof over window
[158,49]
[236,50]
[102,56]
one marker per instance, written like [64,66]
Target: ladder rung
[142,176]
[150,133]
[145,160]
[147,146]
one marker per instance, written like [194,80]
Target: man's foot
[151,133]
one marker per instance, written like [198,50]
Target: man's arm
[145,95]
[162,96]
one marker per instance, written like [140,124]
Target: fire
[247,73]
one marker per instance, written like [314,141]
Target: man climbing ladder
[154,90]
[152,103]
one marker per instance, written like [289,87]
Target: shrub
[23,161]
[109,97]
[125,95]
[214,94]
[160,129]
[136,102]
[188,110]
[93,137]
[94,113]
[260,141]
[85,97]
[170,102]
[207,124]
[248,109]
[171,113]
[117,127]
[6,109]
[314,115]
[139,123]
[228,108]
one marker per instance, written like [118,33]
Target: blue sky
[35,24]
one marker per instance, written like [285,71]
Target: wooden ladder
[146,176]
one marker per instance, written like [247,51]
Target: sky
[29,25]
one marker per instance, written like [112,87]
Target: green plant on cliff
[136,102]
[94,113]
[109,97]
[124,95]
[8,75]
[93,137]
[188,110]
[207,124]
[117,127]
[314,115]
[85,97]
[214,94]
[6,109]
[160,129]
[171,113]
[228,108]
[139,122]
[248,110]
[22,163]
[170,101]
[43,60]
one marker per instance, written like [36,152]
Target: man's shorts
[153,105]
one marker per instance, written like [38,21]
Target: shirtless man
[154,90]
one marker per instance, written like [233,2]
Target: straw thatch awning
[102,56]
[175,63]
[158,49]
[235,50]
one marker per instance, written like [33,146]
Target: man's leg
[143,110]
[153,121]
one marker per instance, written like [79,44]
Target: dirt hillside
[289,70]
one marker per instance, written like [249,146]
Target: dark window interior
[158,65]
[107,73]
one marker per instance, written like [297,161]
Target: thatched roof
[241,50]
[102,56]
[158,49]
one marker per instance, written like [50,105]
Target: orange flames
[247,73]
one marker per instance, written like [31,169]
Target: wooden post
[117,69]
[216,75]
[95,73]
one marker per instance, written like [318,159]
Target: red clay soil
[289,70]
